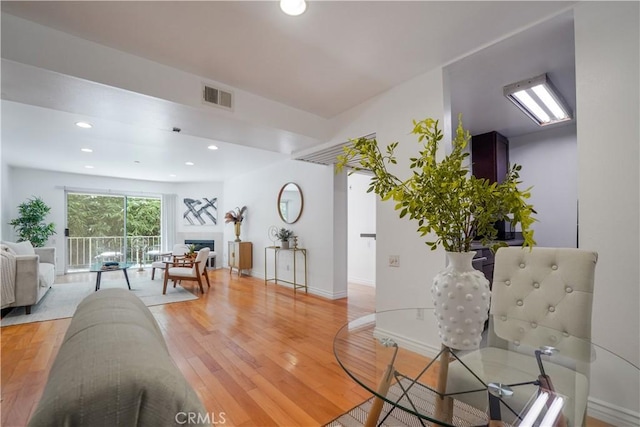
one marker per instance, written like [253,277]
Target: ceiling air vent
[217,97]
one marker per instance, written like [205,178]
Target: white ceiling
[333,57]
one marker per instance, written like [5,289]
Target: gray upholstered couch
[114,369]
[35,272]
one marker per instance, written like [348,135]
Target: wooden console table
[295,251]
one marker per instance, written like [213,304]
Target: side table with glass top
[405,377]
[294,251]
[100,268]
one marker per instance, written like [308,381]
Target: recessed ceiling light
[87,150]
[84,125]
[212,147]
[293,7]
[189,163]
[173,175]
[89,167]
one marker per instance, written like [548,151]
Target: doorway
[112,227]
[361,226]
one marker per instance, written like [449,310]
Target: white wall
[607,81]
[549,163]
[259,192]
[5,205]
[389,115]
[50,186]
[361,265]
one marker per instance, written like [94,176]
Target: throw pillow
[21,248]
[5,248]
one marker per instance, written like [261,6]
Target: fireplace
[199,244]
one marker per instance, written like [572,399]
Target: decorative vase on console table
[236,216]
[237,230]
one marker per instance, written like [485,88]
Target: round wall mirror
[290,202]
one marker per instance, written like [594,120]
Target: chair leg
[206,276]
[200,284]
[153,272]
[164,288]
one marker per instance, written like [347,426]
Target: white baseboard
[408,343]
[612,414]
[329,295]
[360,281]
[319,292]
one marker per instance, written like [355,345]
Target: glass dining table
[397,357]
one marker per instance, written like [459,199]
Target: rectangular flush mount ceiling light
[539,100]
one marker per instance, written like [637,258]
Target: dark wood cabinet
[490,160]
[490,156]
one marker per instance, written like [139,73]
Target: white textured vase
[461,299]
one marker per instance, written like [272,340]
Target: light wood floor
[257,353]
[260,354]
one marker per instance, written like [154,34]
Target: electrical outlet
[287,267]
[394,260]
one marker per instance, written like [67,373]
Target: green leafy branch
[444,197]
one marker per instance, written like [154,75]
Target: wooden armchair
[179,270]
[178,251]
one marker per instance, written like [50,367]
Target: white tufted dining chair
[540,297]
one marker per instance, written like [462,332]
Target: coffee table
[382,353]
[98,268]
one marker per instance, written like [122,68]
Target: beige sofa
[35,272]
[114,369]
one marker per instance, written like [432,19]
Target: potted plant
[284,235]
[192,252]
[31,225]
[453,206]
[236,216]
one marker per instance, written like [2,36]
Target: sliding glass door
[111,228]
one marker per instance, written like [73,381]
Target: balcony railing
[84,251]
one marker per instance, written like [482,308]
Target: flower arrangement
[443,196]
[235,215]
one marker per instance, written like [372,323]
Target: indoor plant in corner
[455,207]
[30,225]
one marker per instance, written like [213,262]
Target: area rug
[62,299]
[422,398]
